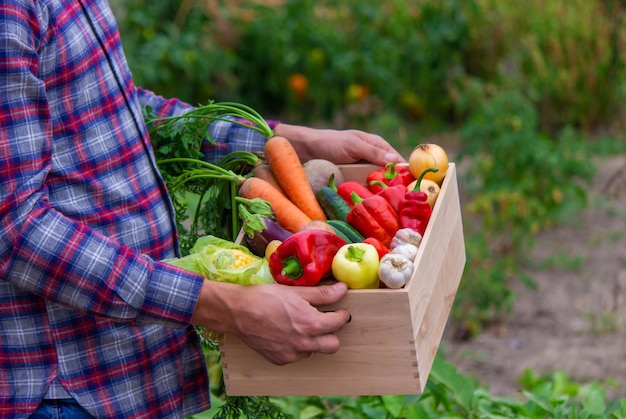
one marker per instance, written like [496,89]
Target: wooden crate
[391,342]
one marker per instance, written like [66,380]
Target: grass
[604,323]
[562,260]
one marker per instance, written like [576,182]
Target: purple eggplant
[257,241]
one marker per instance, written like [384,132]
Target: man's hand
[279,322]
[339,146]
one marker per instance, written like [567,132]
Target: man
[90,320]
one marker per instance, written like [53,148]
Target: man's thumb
[324,294]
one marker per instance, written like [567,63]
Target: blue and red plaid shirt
[86,308]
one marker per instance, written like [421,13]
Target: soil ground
[575,320]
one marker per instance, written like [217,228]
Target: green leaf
[311,412]
[594,403]
[621,413]
[461,386]
[540,402]
[419,411]
[394,404]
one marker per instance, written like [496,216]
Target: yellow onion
[271,248]
[429,155]
[429,187]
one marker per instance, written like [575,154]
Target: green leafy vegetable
[202,193]
[222,260]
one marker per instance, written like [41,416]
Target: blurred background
[528,98]
[423,62]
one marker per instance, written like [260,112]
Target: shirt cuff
[229,136]
[171,296]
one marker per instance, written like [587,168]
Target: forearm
[66,262]
[223,137]
[216,307]
[160,105]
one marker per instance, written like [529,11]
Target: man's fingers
[323,294]
[332,321]
[378,150]
[324,344]
[327,344]
[306,329]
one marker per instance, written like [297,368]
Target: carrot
[288,171]
[264,172]
[288,215]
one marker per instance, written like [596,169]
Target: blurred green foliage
[311,60]
[448,394]
[358,57]
[516,188]
[172,49]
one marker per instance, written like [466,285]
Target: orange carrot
[288,215]
[264,172]
[288,171]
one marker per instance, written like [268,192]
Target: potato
[318,172]
[317,225]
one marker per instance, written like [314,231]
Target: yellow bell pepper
[356,264]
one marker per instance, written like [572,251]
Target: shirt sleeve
[224,137]
[44,252]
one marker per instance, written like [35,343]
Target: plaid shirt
[85,306]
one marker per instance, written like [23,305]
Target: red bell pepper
[380,247]
[374,217]
[393,194]
[415,211]
[345,190]
[391,175]
[305,257]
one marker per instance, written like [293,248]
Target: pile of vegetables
[302,224]
[364,234]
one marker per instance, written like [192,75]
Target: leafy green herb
[182,135]
[249,407]
[202,193]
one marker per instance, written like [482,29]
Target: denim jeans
[60,409]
